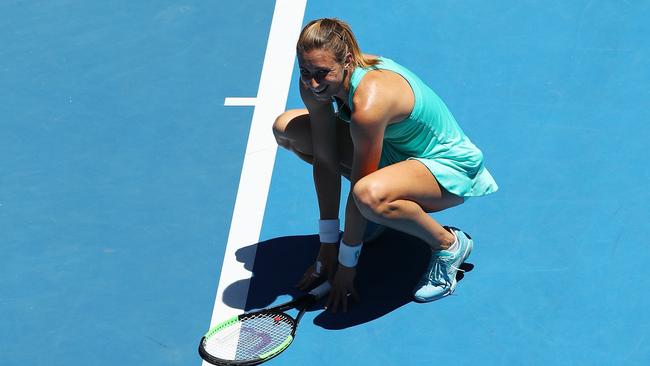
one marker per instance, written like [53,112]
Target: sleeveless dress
[431,135]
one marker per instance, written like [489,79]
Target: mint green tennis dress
[430,135]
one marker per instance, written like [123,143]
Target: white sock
[454,247]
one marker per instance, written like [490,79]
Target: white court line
[239,102]
[260,154]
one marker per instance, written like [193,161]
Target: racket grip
[320,291]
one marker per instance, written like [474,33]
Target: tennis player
[374,122]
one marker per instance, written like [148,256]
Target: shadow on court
[388,270]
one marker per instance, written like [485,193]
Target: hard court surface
[139,201]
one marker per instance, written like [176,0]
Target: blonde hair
[334,35]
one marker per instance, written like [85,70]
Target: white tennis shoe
[440,278]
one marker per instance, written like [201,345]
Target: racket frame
[301,304]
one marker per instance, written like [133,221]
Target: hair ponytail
[334,35]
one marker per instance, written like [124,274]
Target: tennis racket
[256,337]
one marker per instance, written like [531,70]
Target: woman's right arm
[327,179]
[326,171]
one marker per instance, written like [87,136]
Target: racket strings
[251,337]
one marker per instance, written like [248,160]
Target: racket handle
[320,291]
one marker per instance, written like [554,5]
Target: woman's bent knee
[281,126]
[370,197]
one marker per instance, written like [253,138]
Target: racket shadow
[276,265]
[388,270]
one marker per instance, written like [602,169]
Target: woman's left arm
[367,131]
[369,120]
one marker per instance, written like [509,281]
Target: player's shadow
[388,270]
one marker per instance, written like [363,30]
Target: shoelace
[439,274]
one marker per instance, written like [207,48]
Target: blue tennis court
[142,197]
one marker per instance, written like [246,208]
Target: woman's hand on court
[342,289]
[325,267]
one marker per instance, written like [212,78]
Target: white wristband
[328,230]
[349,255]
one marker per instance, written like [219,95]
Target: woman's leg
[399,196]
[292,130]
